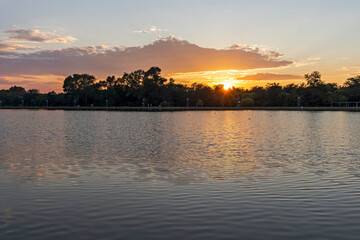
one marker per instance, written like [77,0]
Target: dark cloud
[170,54]
[270,76]
[34,35]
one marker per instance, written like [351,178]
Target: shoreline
[172,109]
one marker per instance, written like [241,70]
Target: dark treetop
[149,88]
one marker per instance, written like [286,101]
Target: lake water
[179,175]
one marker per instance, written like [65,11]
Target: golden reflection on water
[179,147]
[205,175]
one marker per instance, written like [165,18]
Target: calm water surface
[180,175]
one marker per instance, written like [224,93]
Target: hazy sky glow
[242,43]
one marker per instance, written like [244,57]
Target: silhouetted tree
[149,87]
[17,90]
[80,87]
[353,82]
[352,88]
[313,79]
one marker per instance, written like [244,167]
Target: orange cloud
[270,76]
[171,54]
[14,47]
[45,83]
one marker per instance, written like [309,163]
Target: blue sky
[314,35]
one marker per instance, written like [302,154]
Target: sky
[233,42]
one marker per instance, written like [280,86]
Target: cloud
[170,54]
[351,70]
[270,76]
[18,34]
[8,81]
[152,29]
[12,83]
[308,61]
[4,47]
[45,83]
[274,54]
[4,81]
[256,49]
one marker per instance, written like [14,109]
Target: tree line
[149,88]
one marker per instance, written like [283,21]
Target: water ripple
[181,175]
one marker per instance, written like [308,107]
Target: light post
[47,103]
[298,101]
[22,102]
[238,102]
[74,103]
[107,101]
[187,102]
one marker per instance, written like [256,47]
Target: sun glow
[228,78]
[227,86]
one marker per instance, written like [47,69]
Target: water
[179,175]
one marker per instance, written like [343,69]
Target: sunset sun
[227,86]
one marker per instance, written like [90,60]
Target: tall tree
[80,86]
[353,82]
[352,88]
[313,79]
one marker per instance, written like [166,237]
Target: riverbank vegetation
[149,88]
